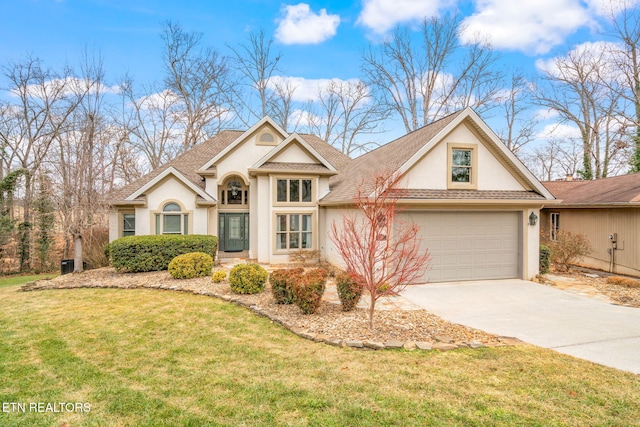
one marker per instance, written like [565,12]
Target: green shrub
[282,283]
[188,266]
[154,253]
[545,259]
[247,278]
[218,276]
[309,289]
[349,290]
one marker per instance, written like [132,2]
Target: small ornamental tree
[382,251]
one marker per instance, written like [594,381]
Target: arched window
[234,192]
[172,220]
[267,138]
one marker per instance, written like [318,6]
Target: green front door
[234,232]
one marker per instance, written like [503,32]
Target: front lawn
[21,280]
[154,358]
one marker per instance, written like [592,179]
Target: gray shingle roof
[190,162]
[410,193]
[388,157]
[312,167]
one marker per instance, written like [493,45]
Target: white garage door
[470,245]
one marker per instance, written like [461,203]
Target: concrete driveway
[541,315]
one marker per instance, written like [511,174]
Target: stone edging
[443,344]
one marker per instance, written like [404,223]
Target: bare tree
[153,120]
[345,113]
[425,83]
[625,16]
[282,105]
[84,161]
[44,102]
[200,79]
[256,65]
[578,87]
[519,130]
[381,251]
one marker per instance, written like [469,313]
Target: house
[607,212]
[266,193]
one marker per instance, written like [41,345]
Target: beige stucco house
[607,212]
[266,193]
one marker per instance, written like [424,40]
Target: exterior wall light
[533,219]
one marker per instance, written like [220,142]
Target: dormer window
[462,162]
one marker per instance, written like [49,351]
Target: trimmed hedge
[349,290]
[218,276]
[282,283]
[136,254]
[247,278]
[545,259]
[309,290]
[188,266]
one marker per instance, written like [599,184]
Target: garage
[470,245]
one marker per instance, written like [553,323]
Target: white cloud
[559,131]
[304,119]
[301,25]
[158,101]
[304,89]
[532,26]
[381,15]
[545,114]
[605,7]
[66,87]
[601,58]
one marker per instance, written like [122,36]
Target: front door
[234,232]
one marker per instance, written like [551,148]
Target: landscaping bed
[621,295]
[393,328]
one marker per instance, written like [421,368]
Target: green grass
[21,280]
[151,358]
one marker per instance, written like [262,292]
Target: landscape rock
[424,345]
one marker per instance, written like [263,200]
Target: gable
[410,156]
[294,153]
[171,188]
[251,144]
[170,174]
[432,171]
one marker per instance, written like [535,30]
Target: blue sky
[127,31]
[318,39]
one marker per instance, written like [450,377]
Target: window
[128,224]
[294,231]
[172,220]
[234,192]
[555,225]
[266,138]
[462,166]
[294,190]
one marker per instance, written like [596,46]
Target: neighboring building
[266,193]
[607,212]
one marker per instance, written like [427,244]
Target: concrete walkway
[564,321]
